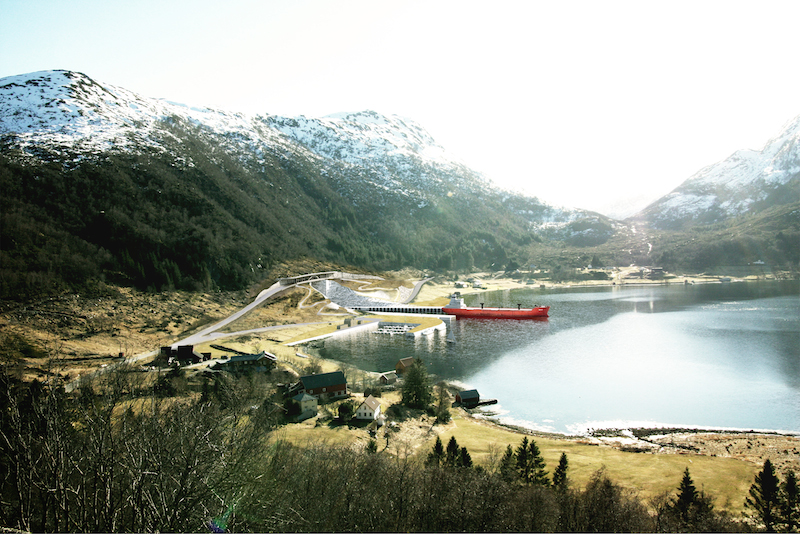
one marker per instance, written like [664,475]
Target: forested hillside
[100,183]
[140,219]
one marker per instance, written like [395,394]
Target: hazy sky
[577,102]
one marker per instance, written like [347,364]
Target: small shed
[469,397]
[369,410]
[403,365]
[389,377]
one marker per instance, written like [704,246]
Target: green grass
[725,479]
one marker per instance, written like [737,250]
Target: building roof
[390,374]
[323,380]
[371,402]
[252,357]
[303,397]
[406,362]
[469,394]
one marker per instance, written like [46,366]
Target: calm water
[712,355]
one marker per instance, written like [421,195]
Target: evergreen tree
[508,465]
[465,459]
[690,510]
[453,453]
[560,480]
[416,387]
[764,496]
[687,496]
[523,462]
[790,504]
[538,475]
[436,456]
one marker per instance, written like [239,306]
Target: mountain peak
[746,182]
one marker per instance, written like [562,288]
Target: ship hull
[499,313]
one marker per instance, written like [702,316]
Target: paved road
[211,333]
[206,333]
[415,292]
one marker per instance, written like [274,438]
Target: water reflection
[714,356]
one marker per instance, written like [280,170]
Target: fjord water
[706,355]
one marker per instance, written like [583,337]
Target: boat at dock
[456,307]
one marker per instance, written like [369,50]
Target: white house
[369,410]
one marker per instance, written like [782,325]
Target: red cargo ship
[457,308]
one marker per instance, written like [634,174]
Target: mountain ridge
[746,182]
[162,195]
[103,183]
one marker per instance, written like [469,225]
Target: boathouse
[468,398]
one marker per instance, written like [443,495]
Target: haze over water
[710,356]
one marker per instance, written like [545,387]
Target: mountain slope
[101,182]
[746,183]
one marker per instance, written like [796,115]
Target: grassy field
[726,479]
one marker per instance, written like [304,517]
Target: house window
[323,390]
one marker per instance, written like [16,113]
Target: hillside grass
[726,479]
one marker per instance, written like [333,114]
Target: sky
[602,105]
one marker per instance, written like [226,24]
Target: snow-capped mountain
[369,157]
[166,194]
[745,183]
[73,117]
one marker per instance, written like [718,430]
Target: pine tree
[436,456]
[687,496]
[416,387]
[560,480]
[538,475]
[789,510]
[764,496]
[465,460]
[507,465]
[453,453]
[523,462]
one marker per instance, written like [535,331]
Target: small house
[403,365]
[261,362]
[325,385]
[369,410]
[308,405]
[387,378]
[469,398]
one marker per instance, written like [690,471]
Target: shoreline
[752,445]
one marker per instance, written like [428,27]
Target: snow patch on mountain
[369,158]
[735,186]
[68,110]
